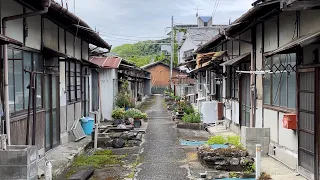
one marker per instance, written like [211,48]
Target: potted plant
[144,116]
[117,115]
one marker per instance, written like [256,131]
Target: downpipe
[46,4]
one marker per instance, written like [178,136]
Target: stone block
[18,155]
[21,172]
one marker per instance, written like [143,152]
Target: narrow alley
[162,159]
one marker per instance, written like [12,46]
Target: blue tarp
[199,143]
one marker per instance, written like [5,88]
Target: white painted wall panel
[309,21]
[235,48]
[259,65]
[287,27]
[259,117]
[34,32]
[235,112]
[108,89]
[70,44]
[85,49]
[63,95]
[270,35]
[15,27]
[62,43]
[50,34]
[229,48]
[245,47]
[287,137]
[77,48]
[271,121]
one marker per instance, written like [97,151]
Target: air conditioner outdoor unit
[209,112]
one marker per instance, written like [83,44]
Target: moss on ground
[98,160]
[147,104]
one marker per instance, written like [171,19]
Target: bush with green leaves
[118,113]
[123,98]
[188,109]
[232,140]
[134,113]
[191,118]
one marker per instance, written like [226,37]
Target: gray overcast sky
[149,18]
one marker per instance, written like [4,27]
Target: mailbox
[289,121]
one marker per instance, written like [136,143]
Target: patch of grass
[217,139]
[98,159]
[147,104]
[103,152]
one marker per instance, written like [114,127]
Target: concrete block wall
[252,136]
[19,162]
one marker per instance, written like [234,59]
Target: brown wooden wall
[19,130]
[160,75]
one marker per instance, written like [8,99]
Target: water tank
[209,112]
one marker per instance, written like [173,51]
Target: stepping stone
[82,174]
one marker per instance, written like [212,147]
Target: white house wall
[69,44]
[77,48]
[108,91]
[259,78]
[187,45]
[62,42]
[309,21]
[34,32]
[287,27]
[284,142]
[85,49]
[50,34]
[245,47]
[14,27]
[63,104]
[235,48]
[270,35]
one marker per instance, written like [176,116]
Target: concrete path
[162,157]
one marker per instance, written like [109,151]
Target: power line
[134,36]
[215,8]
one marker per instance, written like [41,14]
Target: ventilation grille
[77,131]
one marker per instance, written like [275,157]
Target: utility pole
[172,51]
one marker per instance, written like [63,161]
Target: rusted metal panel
[19,130]
[106,62]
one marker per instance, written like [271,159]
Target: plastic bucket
[87,124]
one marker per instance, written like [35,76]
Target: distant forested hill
[141,53]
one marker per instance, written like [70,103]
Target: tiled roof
[202,34]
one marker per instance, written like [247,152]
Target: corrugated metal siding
[306,120]
[106,62]
[50,34]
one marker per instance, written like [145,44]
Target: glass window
[11,87]
[73,74]
[280,85]
[19,80]
[18,85]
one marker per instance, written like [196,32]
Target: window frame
[76,85]
[34,67]
[234,82]
[271,103]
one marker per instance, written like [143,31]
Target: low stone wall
[194,126]
[229,159]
